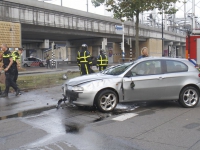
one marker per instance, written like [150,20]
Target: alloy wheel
[108,101]
[190,97]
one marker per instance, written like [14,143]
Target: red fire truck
[193,48]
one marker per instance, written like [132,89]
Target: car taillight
[199,74]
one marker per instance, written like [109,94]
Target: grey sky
[80,5]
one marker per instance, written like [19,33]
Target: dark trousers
[85,69]
[101,68]
[15,76]
[10,82]
[48,64]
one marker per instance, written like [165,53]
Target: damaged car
[146,79]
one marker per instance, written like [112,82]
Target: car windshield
[117,69]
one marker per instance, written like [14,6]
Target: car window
[175,66]
[118,69]
[29,59]
[32,59]
[151,67]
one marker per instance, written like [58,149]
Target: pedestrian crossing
[124,117]
[54,146]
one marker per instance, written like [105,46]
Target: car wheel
[106,100]
[25,65]
[41,65]
[189,97]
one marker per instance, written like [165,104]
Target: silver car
[146,79]
[32,61]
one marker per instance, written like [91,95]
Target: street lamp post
[162,35]
[87,5]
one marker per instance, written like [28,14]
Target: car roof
[184,60]
[161,58]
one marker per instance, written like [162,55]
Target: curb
[25,113]
[35,72]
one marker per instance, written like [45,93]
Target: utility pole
[193,15]
[87,5]
[52,55]
[123,52]
[162,35]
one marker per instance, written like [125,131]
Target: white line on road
[125,116]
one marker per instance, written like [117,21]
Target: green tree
[128,8]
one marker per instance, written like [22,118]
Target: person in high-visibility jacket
[102,61]
[84,60]
[9,71]
[16,55]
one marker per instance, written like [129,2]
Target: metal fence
[63,64]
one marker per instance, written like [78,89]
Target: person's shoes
[17,92]
[4,95]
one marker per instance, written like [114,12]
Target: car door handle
[160,78]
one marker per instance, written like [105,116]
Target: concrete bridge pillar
[104,43]
[154,46]
[68,50]
[116,53]
[180,49]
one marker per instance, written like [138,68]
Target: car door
[29,62]
[143,82]
[175,74]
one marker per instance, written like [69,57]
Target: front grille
[73,95]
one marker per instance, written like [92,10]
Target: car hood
[88,78]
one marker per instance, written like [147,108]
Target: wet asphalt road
[142,126]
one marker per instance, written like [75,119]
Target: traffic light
[121,45]
[54,47]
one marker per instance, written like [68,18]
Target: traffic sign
[118,29]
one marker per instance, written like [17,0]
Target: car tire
[41,65]
[106,100]
[189,97]
[25,65]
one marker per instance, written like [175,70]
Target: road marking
[125,116]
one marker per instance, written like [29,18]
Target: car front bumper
[80,98]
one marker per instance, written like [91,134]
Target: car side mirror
[129,74]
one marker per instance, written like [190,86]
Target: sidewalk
[33,101]
[29,102]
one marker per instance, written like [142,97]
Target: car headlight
[77,88]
